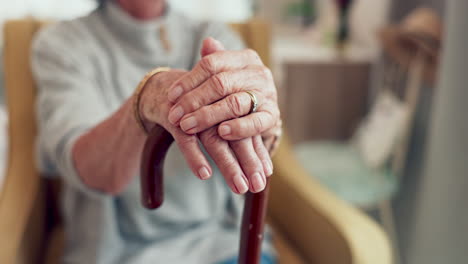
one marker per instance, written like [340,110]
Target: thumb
[210,45]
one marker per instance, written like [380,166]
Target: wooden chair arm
[322,227]
[22,182]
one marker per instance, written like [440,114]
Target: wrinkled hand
[213,93]
[154,109]
[235,160]
[250,152]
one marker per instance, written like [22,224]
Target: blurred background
[357,82]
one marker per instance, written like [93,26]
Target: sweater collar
[140,33]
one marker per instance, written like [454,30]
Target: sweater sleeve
[68,101]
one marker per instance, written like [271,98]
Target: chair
[342,166]
[325,229]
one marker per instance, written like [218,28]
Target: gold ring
[254,105]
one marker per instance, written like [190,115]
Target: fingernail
[188,123]
[203,173]
[175,93]
[176,114]
[257,182]
[224,130]
[236,190]
[240,184]
[268,167]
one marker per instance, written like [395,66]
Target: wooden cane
[152,195]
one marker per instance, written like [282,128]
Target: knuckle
[252,54]
[208,64]
[230,165]
[188,141]
[192,102]
[220,84]
[276,119]
[263,73]
[210,138]
[270,111]
[277,113]
[189,105]
[235,103]
[266,72]
[206,116]
[279,123]
[275,96]
[189,83]
[271,119]
[257,124]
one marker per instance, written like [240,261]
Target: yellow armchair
[311,224]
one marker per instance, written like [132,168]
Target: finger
[227,163]
[247,126]
[196,160]
[271,137]
[268,142]
[233,106]
[210,65]
[274,131]
[219,86]
[263,155]
[210,45]
[250,163]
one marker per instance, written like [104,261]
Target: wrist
[140,97]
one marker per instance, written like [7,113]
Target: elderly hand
[250,152]
[235,159]
[214,93]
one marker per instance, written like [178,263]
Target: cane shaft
[152,195]
[253,220]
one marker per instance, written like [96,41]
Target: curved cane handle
[152,195]
[152,163]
